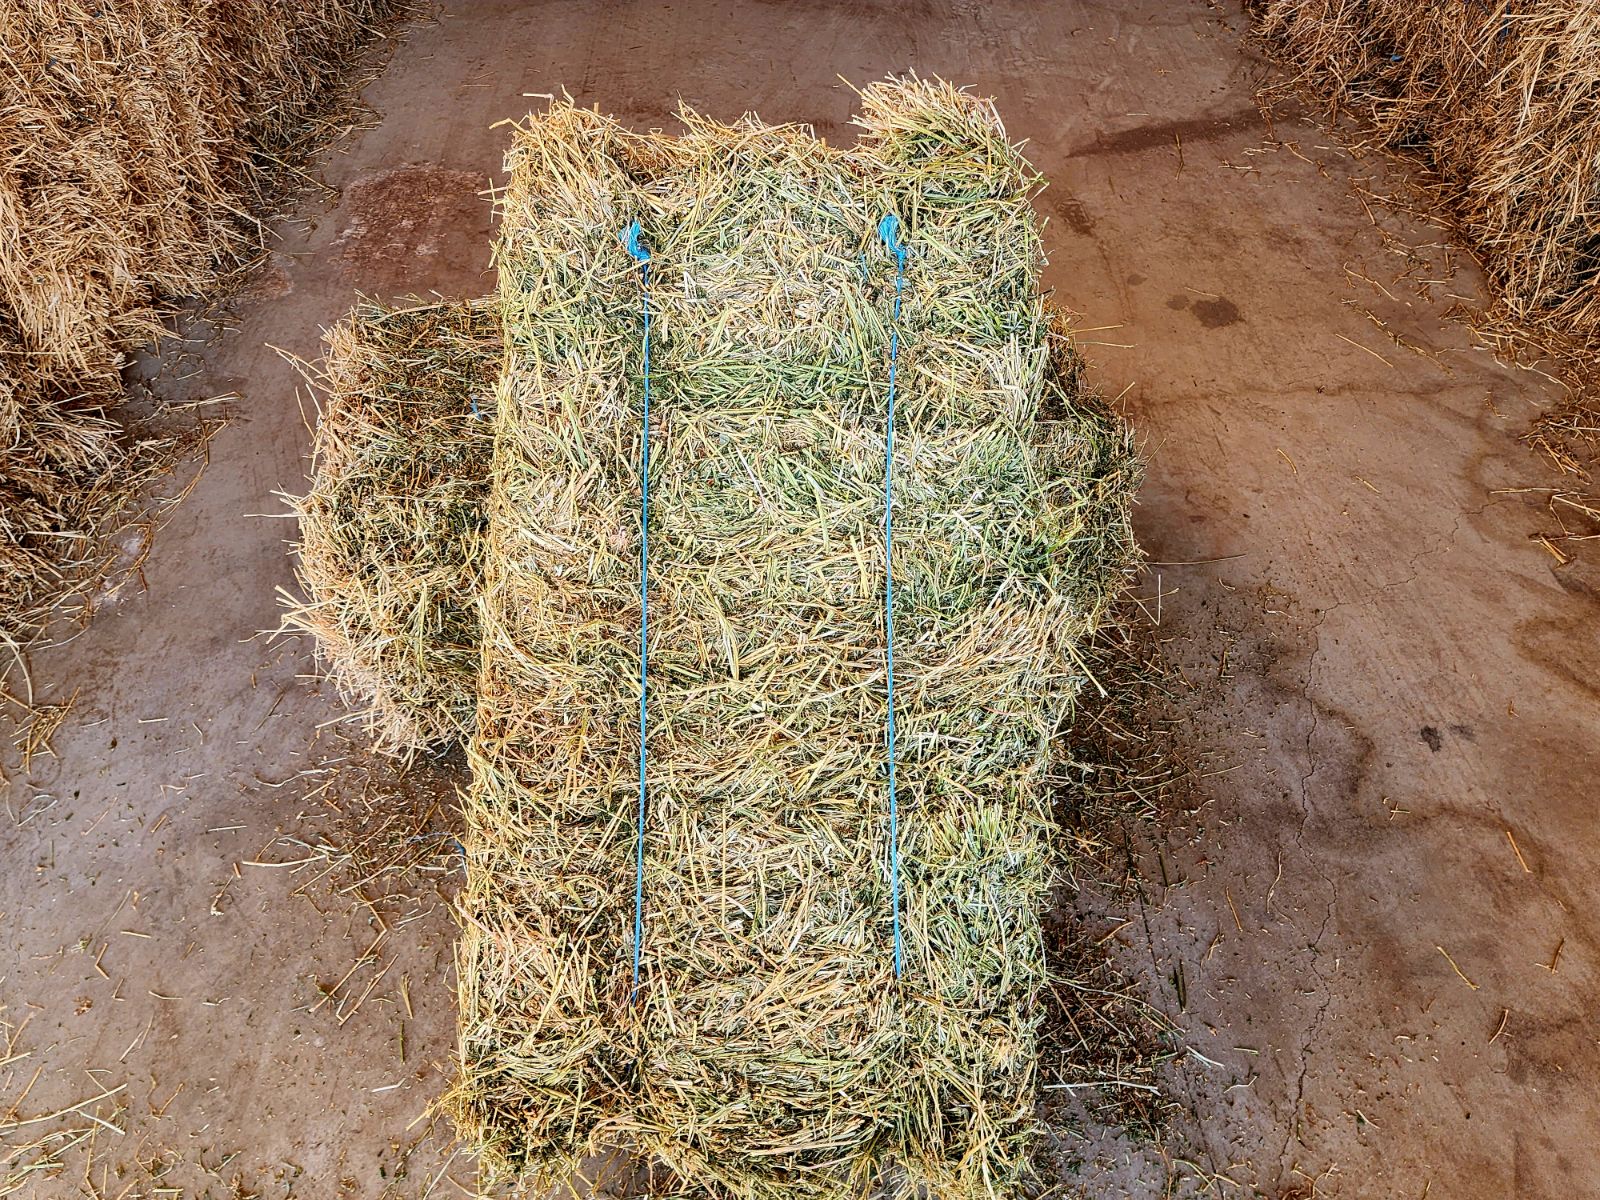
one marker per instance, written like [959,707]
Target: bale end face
[392,528]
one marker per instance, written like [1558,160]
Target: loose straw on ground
[1495,100]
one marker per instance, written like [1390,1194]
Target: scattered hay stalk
[1499,100]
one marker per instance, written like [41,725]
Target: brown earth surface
[1369,921]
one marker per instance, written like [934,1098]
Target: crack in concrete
[1300,1070]
[1291,1131]
[1294,1127]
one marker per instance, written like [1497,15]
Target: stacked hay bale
[139,137]
[1500,100]
[770,1051]
[391,530]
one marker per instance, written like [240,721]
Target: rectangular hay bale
[771,1051]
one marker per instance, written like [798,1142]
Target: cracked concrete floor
[1370,922]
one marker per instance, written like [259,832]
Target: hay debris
[772,1053]
[391,529]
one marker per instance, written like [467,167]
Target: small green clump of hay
[771,1051]
[391,530]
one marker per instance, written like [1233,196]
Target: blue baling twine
[889,231]
[641,255]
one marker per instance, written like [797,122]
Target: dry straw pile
[1500,100]
[141,139]
[770,1052]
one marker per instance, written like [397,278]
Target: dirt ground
[1370,921]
